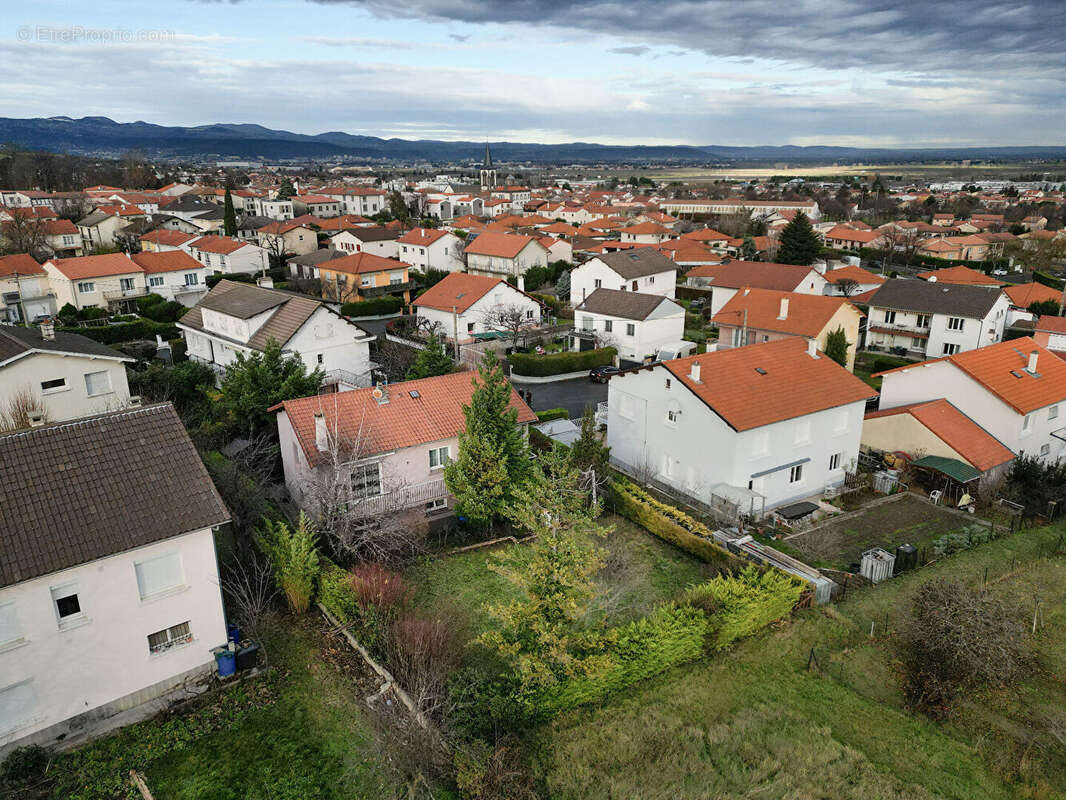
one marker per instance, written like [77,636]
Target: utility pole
[455,333]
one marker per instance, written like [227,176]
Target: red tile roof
[501,245]
[705,235]
[980,448]
[223,245]
[459,289]
[1045,323]
[960,275]
[752,386]
[756,274]
[1024,294]
[853,273]
[422,237]
[22,263]
[435,414]
[359,263]
[806,315]
[644,229]
[167,261]
[168,237]
[95,266]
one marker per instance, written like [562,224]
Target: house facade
[362,276]
[375,240]
[25,291]
[642,269]
[107,622]
[429,248]
[500,254]
[638,325]
[174,275]
[228,255]
[725,280]
[113,280]
[463,305]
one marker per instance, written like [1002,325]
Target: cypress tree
[799,242]
[229,216]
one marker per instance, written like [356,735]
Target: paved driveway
[572,395]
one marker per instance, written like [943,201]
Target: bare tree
[21,409]
[250,586]
[511,319]
[847,286]
[24,233]
[899,244]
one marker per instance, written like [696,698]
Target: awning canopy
[952,467]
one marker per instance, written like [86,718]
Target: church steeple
[487,172]
[488,157]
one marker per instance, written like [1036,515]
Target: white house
[501,254]
[228,255]
[128,609]
[377,241]
[109,280]
[645,233]
[638,325]
[275,209]
[429,248]
[851,280]
[726,280]
[1015,390]
[68,375]
[758,426]
[392,442]
[935,319]
[465,305]
[25,291]
[357,200]
[174,275]
[642,269]
[240,318]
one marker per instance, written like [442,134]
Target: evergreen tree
[562,286]
[285,191]
[432,361]
[229,216]
[398,208]
[255,382]
[477,478]
[799,242]
[836,346]
[748,250]
[492,427]
[591,456]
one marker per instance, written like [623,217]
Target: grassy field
[640,572]
[755,723]
[924,170]
[903,520]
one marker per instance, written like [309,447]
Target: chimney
[265,282]
[521,283]
[48,330]
[812,348]
[1032,362]
[694,372]
[321,433]
[36,419]
[783,313]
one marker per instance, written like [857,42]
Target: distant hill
[105,137]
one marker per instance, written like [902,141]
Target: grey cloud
[632,50]
[459,37]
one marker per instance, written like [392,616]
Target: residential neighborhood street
[573,395]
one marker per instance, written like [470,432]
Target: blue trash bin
[233,633]
[225,661]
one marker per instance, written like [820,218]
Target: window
[17,703]
[955,323]
[586,324]
[1053,412]
[321,358]
[438,457]
[54,385]
[597,283]
[950,349]
[192,279]
[159,574]
[155,280]
[86,287]
[125,284]
[651,280]
[97,383]
[667,383]
[366,281]
[1045,449]
[916,343]
[366,480]
[470,327]
[169,637]
[10,631]
[923,321]
[673,415]
[1027,422]
[608,325]
[795,475]
[834,462]
[803,431]
[631,329]
[67,604]
[890,317]
[634,286]
[437,505]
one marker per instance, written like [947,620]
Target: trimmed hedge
[535,366]
[388,304]
[743,604]
[127,331]
[669,636]
[553,413]
[668,523]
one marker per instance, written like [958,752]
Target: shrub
[553,413]
[560,363]
[155,308]
[388,304]
[958,638]
[373,585]
[540,441]
[743,604]
[128,331]
[293,553]
[668,523]
[335,592]
[968,537]
[536,277]
[24,764]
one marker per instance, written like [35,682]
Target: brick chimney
[48,330]
[783,313]
[321,433]
[1033,356]
[812,348]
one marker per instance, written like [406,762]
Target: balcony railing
[405,497]
[601,413]
[126,294]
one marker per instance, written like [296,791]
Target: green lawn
[640,572]
[754,723]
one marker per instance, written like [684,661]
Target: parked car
[603,373]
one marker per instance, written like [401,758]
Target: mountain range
[101,136]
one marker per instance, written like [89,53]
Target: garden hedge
[668,523]
[127,331]
[742,604]
[553,413]
[535,366]
[389,304]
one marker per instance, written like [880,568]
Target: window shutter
[97,382]
[159,574]
[9,624]
[16,705]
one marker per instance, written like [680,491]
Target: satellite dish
[377,393]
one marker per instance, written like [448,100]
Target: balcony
[379,291]
[896,329]
[404,497]
[126,294]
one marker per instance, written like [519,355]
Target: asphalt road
[572,395]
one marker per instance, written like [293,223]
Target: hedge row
[335,592]
[668,523]
[127,331]
[553,413]
[535,366]
[669,636]
[387,304]
[742,604]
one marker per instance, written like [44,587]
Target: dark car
[603,374]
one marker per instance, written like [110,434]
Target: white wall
[664,326]
[173,285]
[532,255]
[105,657]
[340,344]
[72,400]
[472,320]
[445,253]
[583,281]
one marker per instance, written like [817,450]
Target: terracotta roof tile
[168,237]
[960,275]
[95,266]
[166,261]
[22,263]
[359,263]
[806,315]
[224,245]
[756,274]
[1024,294]
[501,245]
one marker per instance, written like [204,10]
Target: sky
[909,73]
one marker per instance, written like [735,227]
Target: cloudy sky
[910,73]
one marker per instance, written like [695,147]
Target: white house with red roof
[362,200]
[640,269]
[499,254]
[467,305]
[25,291]
[756,427]
[1050,332]
[377,240]
[432,248]
[645,233]
[101,281]
[228,255]
[316,204]
[174,275]
[851,280]
[1015,390]
[392,442]
[162,239]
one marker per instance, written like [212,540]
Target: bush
[553,303]
[155,308]
[668,523]
[970,536]
[553,413]
[294,556]
[336,594]
[389,304]
[128,331]
[373,585]
[535,366]
[24,764]
[743,604]
[536,277]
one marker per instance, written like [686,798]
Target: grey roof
[81,490]
[638,262]
[628,305]
[214,213]
[959,300]
[320,256]
[95,218]
[251,221]
[15,341]
[372,234]
[242,300]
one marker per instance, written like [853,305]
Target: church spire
[488,157]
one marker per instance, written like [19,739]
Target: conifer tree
[799,242]
[431,361]
[229,216]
